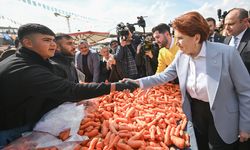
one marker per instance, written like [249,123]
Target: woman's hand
[244,136]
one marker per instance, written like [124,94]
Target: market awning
[91,36]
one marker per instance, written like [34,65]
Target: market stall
[150,119]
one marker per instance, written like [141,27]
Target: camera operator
[125,55]
[147,54]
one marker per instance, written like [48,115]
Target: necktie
[236,41]
[210,39]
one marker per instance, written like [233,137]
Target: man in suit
[88,62]
[213,36]
[236,25]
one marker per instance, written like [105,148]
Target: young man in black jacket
[29,88]
[63,60]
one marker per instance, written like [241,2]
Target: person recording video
[125,55]
[147,54]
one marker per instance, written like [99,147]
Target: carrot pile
[144,120]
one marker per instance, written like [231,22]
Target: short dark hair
[32,28]
[60,36]
[161,28]
[211,19]
[113,41]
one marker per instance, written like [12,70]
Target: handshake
[126,84]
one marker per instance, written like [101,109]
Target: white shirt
[231,43]
[212,37]
[172,43]
[197,77]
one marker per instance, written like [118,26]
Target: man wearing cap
[113,46]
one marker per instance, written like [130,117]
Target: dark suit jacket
[64,66]
[243,48]
[218,38]
[93,64]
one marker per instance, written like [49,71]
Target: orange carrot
[105,128]
[123,145]
[138,135]
[130,112]
[152,132]
[106,115]
[179,142]
[153,148]
[187,139]
[93,143]
[90,123]
[114,142]
[154,121]
[123,135]
[112,137]
[167,139]
[124,120]
[107,138]
[136,143]
[85,120]
[99,144]
[112,127]
[64,134]
[177,131]
[184,123]
[164,146]
[92,133]
[125,127]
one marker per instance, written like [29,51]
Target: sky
[104,15]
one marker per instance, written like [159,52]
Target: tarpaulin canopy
[91,36]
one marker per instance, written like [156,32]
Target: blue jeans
[7,136]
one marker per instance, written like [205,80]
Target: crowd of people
[211,69]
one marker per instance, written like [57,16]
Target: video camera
[221,16]
[122,30]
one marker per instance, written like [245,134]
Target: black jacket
[218,38]
[243,48]
[29,89]
[64,67]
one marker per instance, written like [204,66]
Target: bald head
[236,21]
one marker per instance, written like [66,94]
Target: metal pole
[67,17]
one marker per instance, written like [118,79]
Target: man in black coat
[213,36]
[236,25]
[63,60]
[29,88]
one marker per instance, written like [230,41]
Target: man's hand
[244,136]
[149,54]
[120,86]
